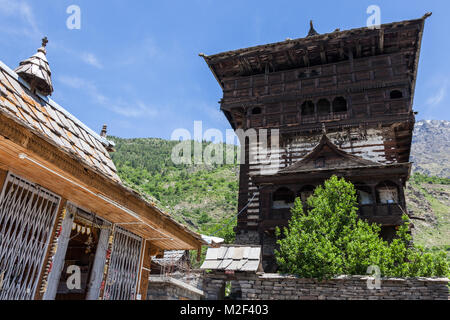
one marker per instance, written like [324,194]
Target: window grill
[121,283]
[27,215]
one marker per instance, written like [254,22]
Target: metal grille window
[27,215]
[123,271]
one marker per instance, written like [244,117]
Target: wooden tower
[343,104]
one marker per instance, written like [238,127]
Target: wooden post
[42,283]
[59,258]
[99,266]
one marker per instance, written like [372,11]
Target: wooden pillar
[374,197]
[59,258]
[144,271]
[99,265]
[51,250]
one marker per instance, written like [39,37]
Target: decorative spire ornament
[312,32]
[36,71]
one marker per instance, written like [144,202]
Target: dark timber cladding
[343,102]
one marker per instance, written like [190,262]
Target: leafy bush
[330,240]
[419,178]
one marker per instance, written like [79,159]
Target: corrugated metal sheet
[235,258]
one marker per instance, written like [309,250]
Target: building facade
[69,228]
[341,103]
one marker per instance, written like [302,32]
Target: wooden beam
[381,41]
[323,56]
[305,57]
[358,49]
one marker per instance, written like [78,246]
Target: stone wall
[170,288]
[269,286]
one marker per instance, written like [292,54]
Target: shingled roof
[233,258]
[46,118]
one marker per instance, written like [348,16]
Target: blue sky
[134,65]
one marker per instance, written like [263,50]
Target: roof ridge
[308,38]
[49,101]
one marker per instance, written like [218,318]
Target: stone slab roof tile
[51,121]
[233,258]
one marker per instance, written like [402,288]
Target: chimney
[103,132]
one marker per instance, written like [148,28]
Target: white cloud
[127,108]
[438,96]
[91,59]
[22,10]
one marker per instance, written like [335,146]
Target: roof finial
[36,71]
[103,132]
[311,32]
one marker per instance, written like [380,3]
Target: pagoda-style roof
[317,49]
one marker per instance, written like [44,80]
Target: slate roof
[46,118]
[233,258]
[170,257]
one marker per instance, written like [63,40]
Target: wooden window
[307,108]
[283,198]
[396,94]
[256,110]
[339,104]
[364,194]
[387,192]
[306,192]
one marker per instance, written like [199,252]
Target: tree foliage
[329,240]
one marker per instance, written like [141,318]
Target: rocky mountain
[430,151]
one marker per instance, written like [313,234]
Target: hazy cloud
[22,10]
[439,95]
[131,109]
[92,60]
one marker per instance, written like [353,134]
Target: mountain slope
[430,150]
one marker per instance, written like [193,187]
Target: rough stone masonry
[269,286]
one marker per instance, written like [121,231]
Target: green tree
[330,240]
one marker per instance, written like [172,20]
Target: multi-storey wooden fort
[343,104]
